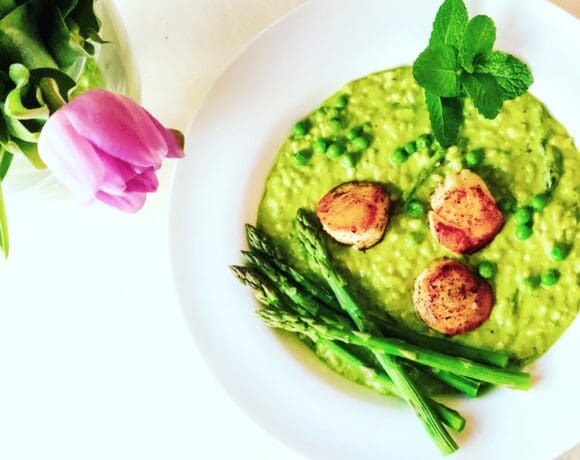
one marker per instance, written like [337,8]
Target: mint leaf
[449,24]
[485,92]
[436,70]
[446,115]
[478,38]
[512,75]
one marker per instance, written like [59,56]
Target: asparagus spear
[424,174]
[330,352]
[443,345]
[395,347]
[289,289]
[464,384]
[266,293]
[261,243]
[267,296]
[309,235]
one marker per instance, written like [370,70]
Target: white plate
[284,74]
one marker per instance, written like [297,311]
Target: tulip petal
[72,159]
[117,174]
[117,125]
[145,182]
[128,202]
[174,149]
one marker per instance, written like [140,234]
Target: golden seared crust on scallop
[450,299]
[464,216]
[355,213]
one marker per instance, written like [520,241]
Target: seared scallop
[464,216]
[450,299]
[355,213]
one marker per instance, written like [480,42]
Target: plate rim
[174,248]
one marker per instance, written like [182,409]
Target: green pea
[352,133]
[559,253]
[550,278]
[303,157]
[415,208]
[398,157]
[486,270]
[532,282]
[319,146]
[524,215]
[300,129]
[361,143]
[334,150]
[506,205]
[410,148]
[335,126]
[539,201]
[423,142]
[332,113]
[523,232]
[342,101]
[350,160]
[473,158]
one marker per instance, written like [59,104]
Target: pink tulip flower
[104,146]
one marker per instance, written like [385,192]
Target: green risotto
[369,131]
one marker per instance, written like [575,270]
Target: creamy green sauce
[520,144]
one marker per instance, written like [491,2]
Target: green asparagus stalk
[442,345]
[424,174]
[309,236]
[267,296]
[399,348]
[330,352]
[261,243]
[289,289]
[460,383]
[466,385]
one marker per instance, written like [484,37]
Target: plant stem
[4,238]
[51,94]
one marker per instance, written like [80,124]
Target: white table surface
[96,361]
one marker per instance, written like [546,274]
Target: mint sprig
[460,62]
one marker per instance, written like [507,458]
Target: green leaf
[4,133]
[512,75]
[478,39]
[84,16]
[18,130]
[446,115]
[436,70]
[485,93]
[449,24]
[30,151]
[66,47]
[6,6]
[14,106]
[20,39]
[91,77]
[5,162]
[66,6]
[4,240]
